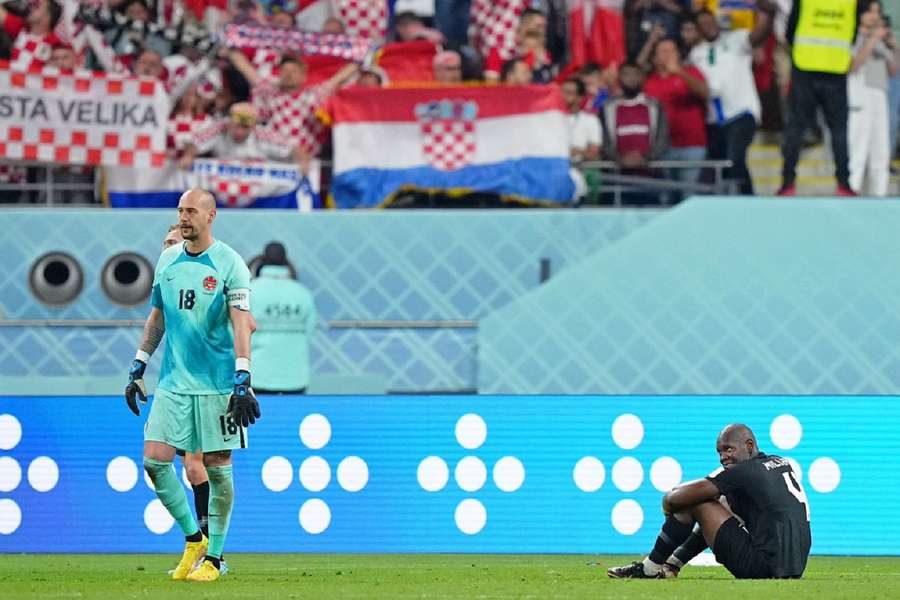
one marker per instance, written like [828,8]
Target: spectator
[683,93]
[409,26]
[635,128]
[239,140]
[333,25]
[690,34]
[371,77]
[643,16]
[516,72]
[287,108]
[874,63]
[599,84]
[531,38]
[451,17]
[63,57]
[584,127]
[448,67]
[286,318]
[149,63]
[191,130]
[821,39]
[730,14]
[726,61]
[33,36]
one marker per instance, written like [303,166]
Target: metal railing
[53,185]
[614,182]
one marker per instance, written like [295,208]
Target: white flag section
[235,183]
[84,118]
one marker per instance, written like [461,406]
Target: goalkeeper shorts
[193,423]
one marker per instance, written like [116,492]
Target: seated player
[774,539]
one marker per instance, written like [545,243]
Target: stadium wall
[369,266]
[444,474]
[719,296]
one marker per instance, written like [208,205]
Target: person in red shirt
[33,35]
[683,93]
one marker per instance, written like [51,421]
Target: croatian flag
[509,140]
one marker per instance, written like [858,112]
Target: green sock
[221,501]
[171,493]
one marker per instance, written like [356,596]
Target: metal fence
[52,185]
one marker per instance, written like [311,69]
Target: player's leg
[219,435]
[196,475]
[675,531]
[691,548]
[730,541]
[169,426]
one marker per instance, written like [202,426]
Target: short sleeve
[731,479]
[593,129]
[239,278]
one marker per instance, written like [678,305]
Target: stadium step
[815,173]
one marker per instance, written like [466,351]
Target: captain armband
[239,299]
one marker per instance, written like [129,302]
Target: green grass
[273,576]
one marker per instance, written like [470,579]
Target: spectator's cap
[447,58]
[243,113]
[275,254]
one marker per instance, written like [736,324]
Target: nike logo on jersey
[170,278]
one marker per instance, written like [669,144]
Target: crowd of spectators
[682,80]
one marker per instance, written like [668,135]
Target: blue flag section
[236,184]
[580,474]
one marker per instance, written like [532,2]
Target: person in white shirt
[726,60]
[584,127]
[875,61]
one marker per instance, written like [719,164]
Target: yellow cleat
[193,552]
[205,572]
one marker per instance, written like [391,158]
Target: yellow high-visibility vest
[824,36]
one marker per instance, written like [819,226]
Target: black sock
[217,562]
[195,537]
[201,504]
[691,548]
[674,533]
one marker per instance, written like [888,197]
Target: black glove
[243,406]
[136,390]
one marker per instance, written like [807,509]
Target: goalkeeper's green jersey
[192,290]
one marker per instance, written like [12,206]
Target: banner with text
[235,183]
[82,118]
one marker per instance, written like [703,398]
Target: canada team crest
[448,132]
[209,284]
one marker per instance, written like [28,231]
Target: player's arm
[242,405]
[154,329]
[689,494]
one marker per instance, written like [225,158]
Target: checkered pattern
[291,118]
[353,46]
[32,51]
[199,131]
[493,25]
[448,144]
[233,192]
[367,19]
[70,142]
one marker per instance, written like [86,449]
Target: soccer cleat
[633,571]
[193,552]
[205,572]
[669,571]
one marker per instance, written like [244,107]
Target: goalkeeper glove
[243,406]
[136,390]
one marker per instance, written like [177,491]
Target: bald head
[735,444]
[196,212]
[199,198]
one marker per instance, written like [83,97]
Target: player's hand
[136,390]
[243,406]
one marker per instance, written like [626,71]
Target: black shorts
[734,548]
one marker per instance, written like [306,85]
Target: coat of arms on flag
[448,132]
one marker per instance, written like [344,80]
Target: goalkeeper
[203,401]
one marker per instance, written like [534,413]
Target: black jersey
[765,492]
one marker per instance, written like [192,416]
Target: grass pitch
[276,576]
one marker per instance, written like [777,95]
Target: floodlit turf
[273,576]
